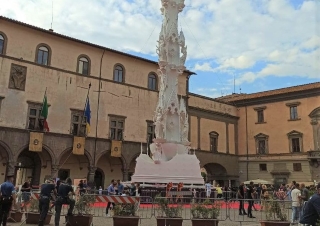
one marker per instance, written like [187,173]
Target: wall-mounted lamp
[4,164]
[80,168]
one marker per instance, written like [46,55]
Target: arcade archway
[216,172]
[74,166]
[109,168]
[99,178]
[33,166]
[4,159]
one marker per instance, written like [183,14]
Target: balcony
[314,154]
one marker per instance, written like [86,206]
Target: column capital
[92,169]
[314,121]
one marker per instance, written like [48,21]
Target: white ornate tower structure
[170,159]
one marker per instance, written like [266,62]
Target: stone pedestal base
[181,168]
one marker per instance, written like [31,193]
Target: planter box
[33,218]
[205,222]
[169,221]
[80,220]
[125,221]
[15,217]
[275,223]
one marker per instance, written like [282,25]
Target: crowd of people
[305,207]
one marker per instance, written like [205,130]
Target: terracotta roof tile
[292,89]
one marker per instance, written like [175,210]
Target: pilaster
[316,136]
[227,137]
[54,170]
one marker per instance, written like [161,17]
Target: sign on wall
[116,146]
[35,143]
[78,145]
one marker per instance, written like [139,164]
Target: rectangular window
[78,123]
[116,128]
[261,147]
[263,167]
[295,144]
[35,121]
[1,46]
[293,112]
[260,116]
[297,167]
[214,144]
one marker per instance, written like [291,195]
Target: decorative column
[316,136]
[55,171]
[92,171]
[125,173]
[11,166]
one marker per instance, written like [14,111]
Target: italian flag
[44,113]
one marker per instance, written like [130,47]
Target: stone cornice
[277,98]
[214,115]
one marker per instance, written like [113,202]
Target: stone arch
[44,147]
[6,161]
[216,172]
[86,153]
[112,167]
[29,166]
[98,157]
[7,149]
[315,113]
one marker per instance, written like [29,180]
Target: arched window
[214,141]
[118,73]
[43,55]
[83,65]
[152,81]
[2,44]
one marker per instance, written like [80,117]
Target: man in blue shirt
[44,200]
[111,191]
[63,198]
[7,198]
[120,187]
[311,212]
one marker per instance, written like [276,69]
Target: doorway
[29,168]
[99,178]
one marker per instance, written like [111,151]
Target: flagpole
[44,97]
[85,104]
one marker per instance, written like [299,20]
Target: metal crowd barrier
[204,208]
[259,210]
[180,204]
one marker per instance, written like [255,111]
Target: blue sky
[262,44]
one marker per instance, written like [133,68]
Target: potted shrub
[275,213]
[168,213]
[16,214]
[83,207]
[32,217]
[205,213]
[125,214]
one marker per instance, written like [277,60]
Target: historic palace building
[272,135]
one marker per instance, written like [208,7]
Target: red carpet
[232,205]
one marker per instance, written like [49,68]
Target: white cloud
[203,67]
[240,62]
[236,34]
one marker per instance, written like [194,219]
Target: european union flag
[87,114]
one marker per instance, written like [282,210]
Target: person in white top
[295,195]
[208,189]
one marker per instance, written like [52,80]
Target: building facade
[123,96]
[279,134]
